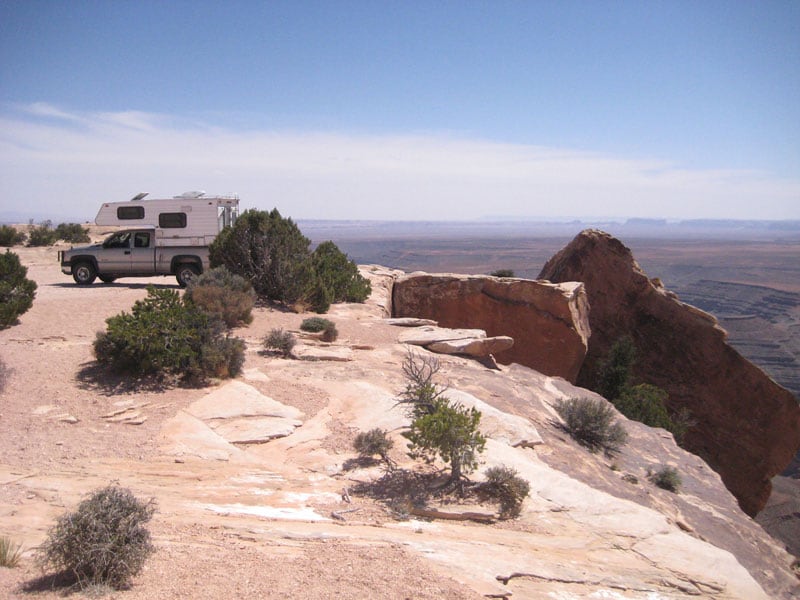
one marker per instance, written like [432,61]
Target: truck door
[116,255]
[142,252]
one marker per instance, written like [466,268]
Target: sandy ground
[51,419]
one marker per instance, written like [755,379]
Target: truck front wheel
[84,273]
[186,273]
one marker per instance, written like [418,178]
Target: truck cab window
[118,240]
[141,240]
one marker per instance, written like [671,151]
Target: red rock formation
[548,322]
[748,427]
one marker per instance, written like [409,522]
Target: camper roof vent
[139,196]
[193,194]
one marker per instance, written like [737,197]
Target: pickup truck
[133,253]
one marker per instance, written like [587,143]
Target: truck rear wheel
[185,273]
[84,273]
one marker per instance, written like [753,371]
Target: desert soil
[58,443]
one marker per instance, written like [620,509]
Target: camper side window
[172,220]
[130,212]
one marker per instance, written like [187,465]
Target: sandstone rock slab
[548,321]
[429,334]
[473,347]
[747,426]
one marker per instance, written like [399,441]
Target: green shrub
[42,234]
[104,541]
[165,335]
[10,236]
[372,442]
[666,478]
[615,372]
[592,423]
[315,324]
[280,341]
[268,251]
[272,254]
[73,233]
[451,432]
[506,486]
[16,290]
[502,273]
[10,552]
[222,295]
[339,275]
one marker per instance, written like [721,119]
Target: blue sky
[405,110]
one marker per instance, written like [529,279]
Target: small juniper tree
[421,392]
[615,372]
[667,478]
[451,432]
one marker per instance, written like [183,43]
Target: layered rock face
[747,426]
[548,322]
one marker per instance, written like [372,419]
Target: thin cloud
[51,158]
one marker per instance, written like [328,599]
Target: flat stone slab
[256,430]
[329,353]
[473,347]
[423,336]
[410,322]
[237,399]
[503,427]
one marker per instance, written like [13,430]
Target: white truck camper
[162,237]
[191,219]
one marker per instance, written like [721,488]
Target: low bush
[593,424]
[315,324]
[506,486]
[165,335]
[10,552]
[320,325]
[223,295]
[667,478]
[42,234]
[10,236]
[73,233]
[374,442]
[502,273]
[104,541]
[16,290]
[280,341]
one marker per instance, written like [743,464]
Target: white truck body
[162,237]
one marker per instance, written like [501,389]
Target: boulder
[477,347]
[424,336]
[549,322]
[747,426]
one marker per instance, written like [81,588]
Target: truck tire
[107,278]
[185,273]
[84,273]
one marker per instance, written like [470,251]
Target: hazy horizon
[424,111]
